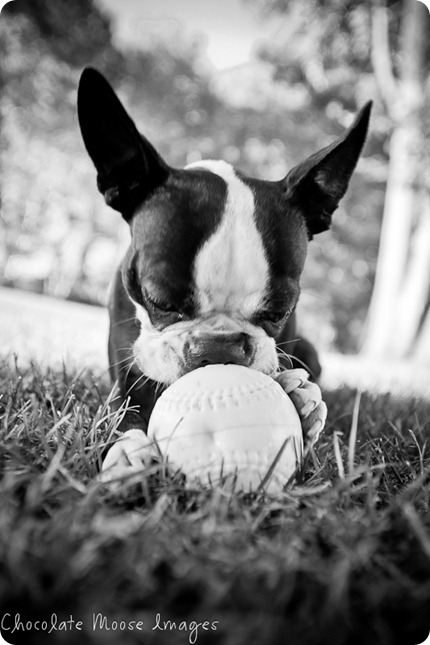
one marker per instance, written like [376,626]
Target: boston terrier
[212,273]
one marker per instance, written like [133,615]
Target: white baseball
[228,423]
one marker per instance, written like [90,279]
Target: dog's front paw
[307,400]
[127,458]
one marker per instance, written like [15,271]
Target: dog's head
[216,257]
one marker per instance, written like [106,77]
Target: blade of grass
[353,433]
[272,466]
[338,456]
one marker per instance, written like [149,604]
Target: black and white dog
[212,274]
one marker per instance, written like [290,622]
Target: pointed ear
[319,183]
[128,167]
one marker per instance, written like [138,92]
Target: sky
[231,27]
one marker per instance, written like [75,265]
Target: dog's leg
[132,451]
[299,361]
[307,399]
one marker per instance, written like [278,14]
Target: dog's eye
[275,316]
[163,308]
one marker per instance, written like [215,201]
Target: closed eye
[160,305]
[161,311]
[275,316]
[272,319]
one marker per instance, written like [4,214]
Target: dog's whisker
[135,383]
[121,322]
[281,351]
[314,295]
[127,348]
[288,342]
[122,361]
[281,354]
[129,368]
[285,355]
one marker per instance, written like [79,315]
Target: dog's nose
[209,349]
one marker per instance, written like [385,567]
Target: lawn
[343,557]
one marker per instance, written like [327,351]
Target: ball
[228,424]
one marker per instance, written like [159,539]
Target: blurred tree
[44,44]
[343,52]
[399,316]
[75,32]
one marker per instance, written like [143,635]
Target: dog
[212,273]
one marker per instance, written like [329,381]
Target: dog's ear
[128,167]
[319,183]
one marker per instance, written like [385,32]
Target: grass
[341,558]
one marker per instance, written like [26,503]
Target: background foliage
[58,237]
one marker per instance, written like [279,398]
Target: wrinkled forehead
[212,234]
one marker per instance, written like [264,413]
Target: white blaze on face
[231,269]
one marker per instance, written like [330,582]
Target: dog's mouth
[167,355]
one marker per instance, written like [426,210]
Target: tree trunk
[422,347]
[394,244]
[416,285]
[403,269]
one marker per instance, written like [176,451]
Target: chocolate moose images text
[13,623]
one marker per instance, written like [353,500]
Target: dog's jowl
[212,274]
